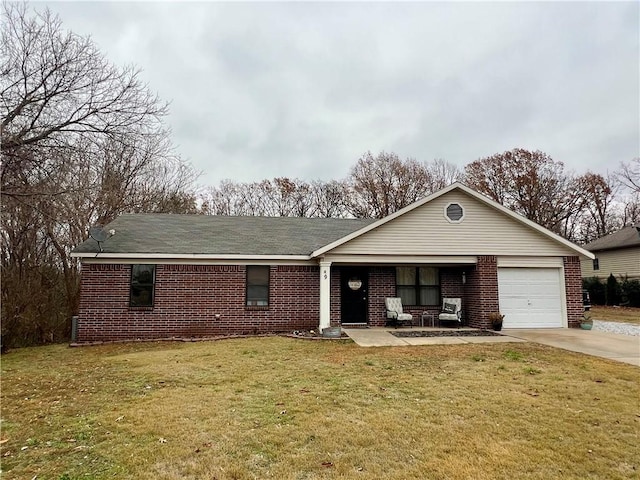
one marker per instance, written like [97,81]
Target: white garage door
[530,297]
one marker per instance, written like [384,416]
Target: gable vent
[454,212]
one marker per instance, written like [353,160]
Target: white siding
[619,262]
[425,231]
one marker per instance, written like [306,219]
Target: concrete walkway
[622,348]
[382,337]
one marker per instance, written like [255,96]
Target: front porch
[384,337]
[354,295]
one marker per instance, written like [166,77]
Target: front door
[354,287]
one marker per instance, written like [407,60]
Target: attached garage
[531,297]
[455,243]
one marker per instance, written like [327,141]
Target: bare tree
[58,89]
[384,184]
[442,174]
[81,142]
[329,199]
[598,195]
[627,179]
[530,183]
[629,175]
[280,197]
[630,214]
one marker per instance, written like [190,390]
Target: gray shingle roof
[623,238]
[221,235]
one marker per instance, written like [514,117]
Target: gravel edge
[617,327]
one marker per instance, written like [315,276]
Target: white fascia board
[470,192]
[189,256]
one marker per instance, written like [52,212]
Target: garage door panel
[530,297]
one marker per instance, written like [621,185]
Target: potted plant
[586,323]
[496,320]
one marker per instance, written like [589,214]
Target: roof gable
[421,229]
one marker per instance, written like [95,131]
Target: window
[142,281]
[454,212]
[418,285]
[596,264]
[257,285]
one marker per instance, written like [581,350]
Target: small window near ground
[596,264]
[418,285]
[142,283]
[257,285]
[454,212]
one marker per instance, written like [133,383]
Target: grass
[616,314]
[294,409]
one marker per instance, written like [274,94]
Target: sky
[302,90]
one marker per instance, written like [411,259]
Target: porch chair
[451,311]
[395,315]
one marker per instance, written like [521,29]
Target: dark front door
[354,286]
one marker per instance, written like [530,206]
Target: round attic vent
[454,212]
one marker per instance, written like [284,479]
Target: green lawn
[299,409]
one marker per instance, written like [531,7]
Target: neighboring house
[162,276]
[617,253]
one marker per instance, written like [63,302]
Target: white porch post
[325,295]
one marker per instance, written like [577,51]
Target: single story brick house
[617,253]
[163,276]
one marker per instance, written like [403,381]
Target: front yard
[298,409]
[616,314]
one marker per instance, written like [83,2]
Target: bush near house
[631,292]
[624,292]
[596,290]
[613,290]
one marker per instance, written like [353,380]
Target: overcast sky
[260,90]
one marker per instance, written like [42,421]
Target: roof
[624,238]
[174,234]
[455,186]
[197,236]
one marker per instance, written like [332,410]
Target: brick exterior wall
[194,301]
[573,287]
[481,292]
[209,300]
[382,284]
[335,297]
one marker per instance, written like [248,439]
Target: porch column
[325,295]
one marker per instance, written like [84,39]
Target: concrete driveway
[622,348]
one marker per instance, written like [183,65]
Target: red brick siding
[188,300]
[573,288]
[336,304]
[482,292]
[382,284]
